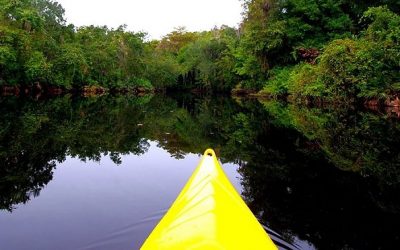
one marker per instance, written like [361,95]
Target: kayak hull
[209,214]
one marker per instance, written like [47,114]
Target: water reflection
[329,175]
[324,178]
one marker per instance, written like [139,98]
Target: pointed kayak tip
[208,214]
[209,152]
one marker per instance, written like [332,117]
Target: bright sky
[156,17]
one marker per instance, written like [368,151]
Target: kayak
[208,214]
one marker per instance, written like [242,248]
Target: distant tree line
[318,49]
[38,47]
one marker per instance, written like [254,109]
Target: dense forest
[344,50]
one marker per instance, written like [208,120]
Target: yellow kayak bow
[208,214]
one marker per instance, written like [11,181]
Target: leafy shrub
[143,83]
[337,67]
[37,68]
[305,81]
[367,67]
[278,83]
[364,67]
[384,25]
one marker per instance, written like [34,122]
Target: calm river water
[99,173]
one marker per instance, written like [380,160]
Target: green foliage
[278,83]
[210,56]
[313,23]
[301,80]
[143,83]
[7,56]
[70,66]
[8,62]
[176,40]
[349,67]
[384,25]
[36,45]
[270,51]
[37,68]
[337,64]
[162,70]
[274,30]
[356,68]
[365,67]
[306,82]
[263,39]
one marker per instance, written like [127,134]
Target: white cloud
[156,17]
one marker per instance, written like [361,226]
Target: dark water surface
[99,173]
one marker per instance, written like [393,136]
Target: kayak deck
[208,214]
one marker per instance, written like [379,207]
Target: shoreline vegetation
[301,51]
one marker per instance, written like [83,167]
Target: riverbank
[390,101]
[87,90]
[389,107]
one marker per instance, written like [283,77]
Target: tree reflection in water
[329,176]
